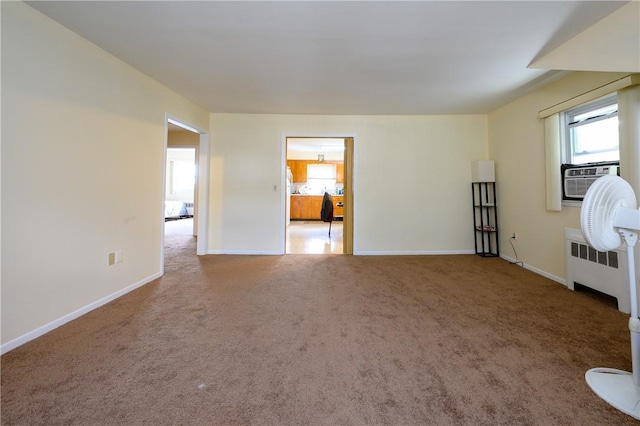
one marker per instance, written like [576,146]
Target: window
[624,93]
[591,132]
[590,146]
[321,177]
[181,174]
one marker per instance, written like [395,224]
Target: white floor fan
[610,218]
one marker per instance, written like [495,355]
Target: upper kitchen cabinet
[298,170]
[340,172]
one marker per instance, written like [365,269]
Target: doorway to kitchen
[319,171]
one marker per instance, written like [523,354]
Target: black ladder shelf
[485,219]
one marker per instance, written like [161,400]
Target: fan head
[603,198]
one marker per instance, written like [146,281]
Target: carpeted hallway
[325,340]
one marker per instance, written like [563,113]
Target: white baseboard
[18,341]
[355,253]
[537,271]
[412,253]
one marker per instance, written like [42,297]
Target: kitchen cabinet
[296,206]
[338,211]
[308,207]
[313,207]
[340,172]
[298,170]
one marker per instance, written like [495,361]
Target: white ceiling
[304,57]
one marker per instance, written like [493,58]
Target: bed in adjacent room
[175,210]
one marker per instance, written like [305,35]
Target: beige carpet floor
[325,340]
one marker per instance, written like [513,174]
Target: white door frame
[283,174]
[203,185]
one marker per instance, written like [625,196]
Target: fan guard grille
[599,207]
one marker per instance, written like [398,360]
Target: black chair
[326,213]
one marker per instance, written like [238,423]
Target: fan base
[617,388]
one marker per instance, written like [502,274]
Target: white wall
[82,161]
[180,138]
[412,180]
[516,143]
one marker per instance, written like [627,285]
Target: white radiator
[189,207]
[605,272]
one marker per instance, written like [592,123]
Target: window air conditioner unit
[576,179]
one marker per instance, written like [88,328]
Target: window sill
[571,203]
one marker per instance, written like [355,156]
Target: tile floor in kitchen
[303,237]
[312,237]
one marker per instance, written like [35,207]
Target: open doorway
[180,184]
[180,189]
[318,168]
[186,176]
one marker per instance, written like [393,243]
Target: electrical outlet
[514,236]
